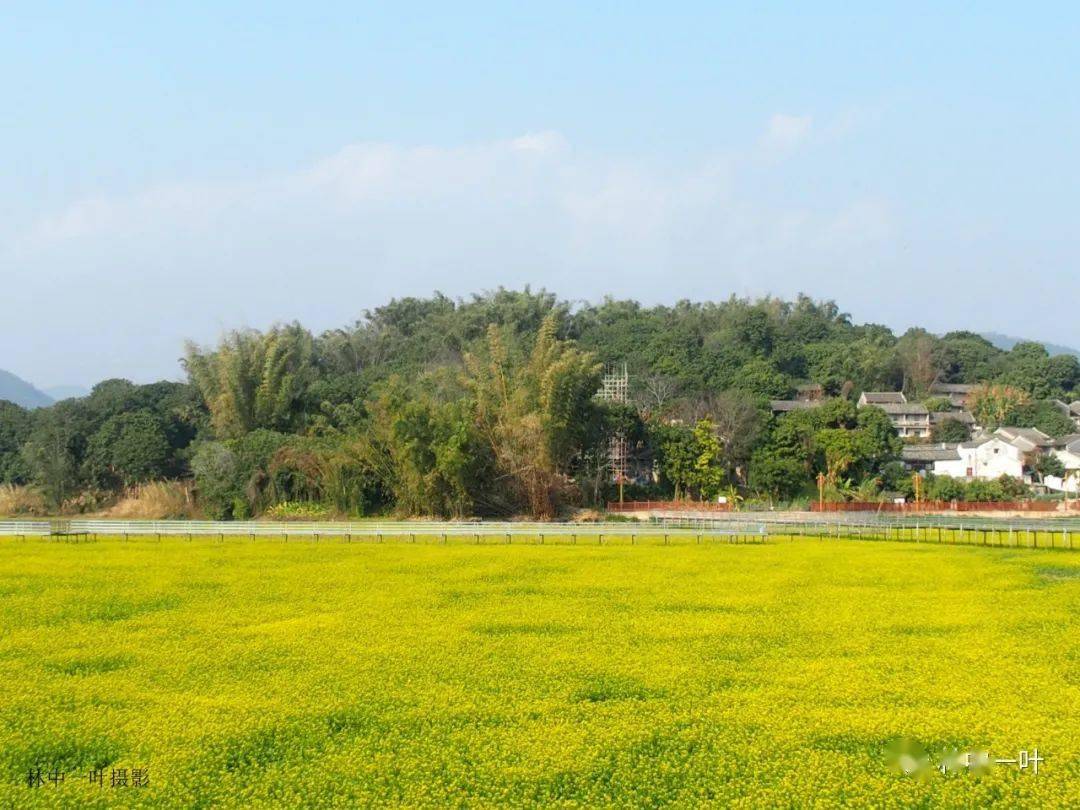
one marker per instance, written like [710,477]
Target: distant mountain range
[1006,342]
[19,391]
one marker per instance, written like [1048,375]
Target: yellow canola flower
[266,674]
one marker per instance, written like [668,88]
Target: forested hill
[763,347]
[487,406]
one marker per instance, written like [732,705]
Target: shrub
[297,510]
[157,500]
[944,488]
[979,491]
[21,500]
[240,509]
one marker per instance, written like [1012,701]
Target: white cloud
[543,142]
[377,220]
[785,133]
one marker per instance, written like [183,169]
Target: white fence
[1054,533]
[734,531]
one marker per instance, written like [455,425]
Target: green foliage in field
[270,674]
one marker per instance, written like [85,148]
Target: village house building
[958,394]
[807,395]
[986,458]
[782,406]
[963,417]
[1068,453]
[1027,440]
[911,420]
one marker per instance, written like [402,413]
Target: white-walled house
[988,458]
[1069,455]
[1027,440]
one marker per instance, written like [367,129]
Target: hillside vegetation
[486,406]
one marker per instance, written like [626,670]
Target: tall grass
[157,500]
[19,501]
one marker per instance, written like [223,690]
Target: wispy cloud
[375,220]
[785,133]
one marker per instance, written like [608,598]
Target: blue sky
[169,173]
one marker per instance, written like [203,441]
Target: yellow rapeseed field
[240,674]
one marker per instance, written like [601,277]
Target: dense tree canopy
[487,406]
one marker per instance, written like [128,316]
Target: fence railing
[734,531]
[26,528]
[668,506]
[938,506]
[699,507]
[1046,532]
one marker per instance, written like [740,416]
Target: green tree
[429,454]
[965,357]
[938,404]
[234,478]
[675,446]
[52,453]
[916,351]
[1043,415]
[839,449]
[15,425]
[255,380]
[708,475]
[130,448]
[532,411]
[1048,465]
[776,476]
[1027,367]
[876,441]
[1063,373]
[944,488]
[992,403]
[983,491]
[215,467]
[950,431]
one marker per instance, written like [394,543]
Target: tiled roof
[786,405]
[1031,436]
[1068,441]
[884,397]
[901,408]
[930,452]
[952,388]
[963,417]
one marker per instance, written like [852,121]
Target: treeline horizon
[486,406]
